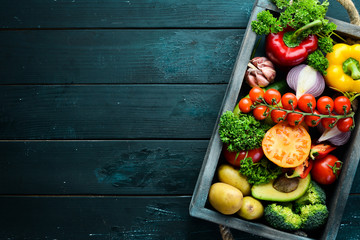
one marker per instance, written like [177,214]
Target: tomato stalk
[288,111]
[336,169]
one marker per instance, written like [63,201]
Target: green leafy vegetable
[260,172]
[318,61]
[241,132]
[308,15]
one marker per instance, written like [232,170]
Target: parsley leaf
[241,132]
[260,172]
[318,61]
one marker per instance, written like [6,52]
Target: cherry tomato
[261,112]
[325,105]
[272,96]
[342,105]
[345,124]
[326,170]
[278,115]
[289,101]
[256,94]
[328,123]
[294,118]
[307,103]
[245,105]
[312,120]
[234,158]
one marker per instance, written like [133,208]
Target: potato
[251,208]
[228,174]
[225,198]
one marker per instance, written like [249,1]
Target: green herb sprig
[260,172]
[241,132]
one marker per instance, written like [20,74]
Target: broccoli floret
[314,195]
[313,216]
[282,217]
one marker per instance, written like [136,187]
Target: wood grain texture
[118,56]
[125,14]
[134,13]
[109,111]
[129,167]
[125,218]
[101,167]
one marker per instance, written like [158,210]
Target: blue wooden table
[106,110]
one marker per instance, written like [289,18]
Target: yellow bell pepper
[343,72]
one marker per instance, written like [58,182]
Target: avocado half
[269,193]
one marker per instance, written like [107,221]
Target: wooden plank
[121,218]
[101,167]
[134,13]
[118,56]
[109,111]
[125,14]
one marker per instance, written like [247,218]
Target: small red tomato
[326,170]
[245,105]
[295,118]
[312,120]
[307,103]
[272,96]
[278,115]
[342,105]
[328,122]
[345,124]
[325,105]
[261,112]
[234,158]
[289,101]
[256,94]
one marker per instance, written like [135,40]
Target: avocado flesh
[268,193]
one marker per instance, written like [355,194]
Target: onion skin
[293,79]
[337,140]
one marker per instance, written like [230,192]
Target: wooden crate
[336,201]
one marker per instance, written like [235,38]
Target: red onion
[333,135]
[305,79]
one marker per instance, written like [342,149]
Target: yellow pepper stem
[352,68]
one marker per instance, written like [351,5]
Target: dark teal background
[106,110]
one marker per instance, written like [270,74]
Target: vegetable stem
[352,68]
[297,33]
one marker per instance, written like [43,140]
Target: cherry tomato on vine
[289,101]
[312,120]
[234,158]
[278,115]
[307,103]
[295,118]
[328,122]
[325,105]
[342,105]
[272,96]
[245,105]
[261,112]
[326,170]
[345,124]
[256,94]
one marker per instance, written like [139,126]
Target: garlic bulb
[260,73]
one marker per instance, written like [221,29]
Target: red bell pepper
[302,170]
[282,55]
[320,150]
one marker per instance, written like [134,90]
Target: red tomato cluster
[295,111]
